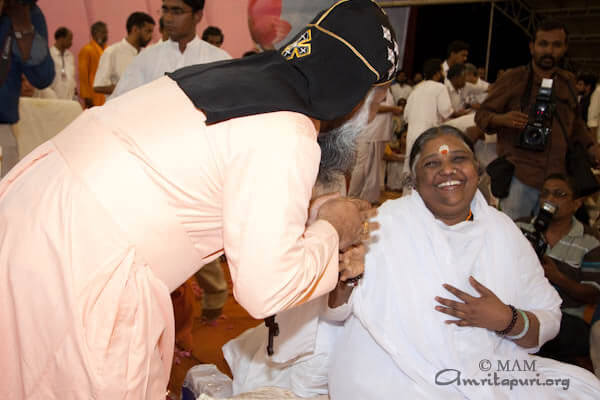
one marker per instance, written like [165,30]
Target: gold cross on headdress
[299,48]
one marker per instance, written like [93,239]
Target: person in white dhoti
[453,301]
[368,173]
[428,105]
[64,85]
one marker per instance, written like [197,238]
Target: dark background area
[434,27]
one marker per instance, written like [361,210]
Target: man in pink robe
[101,223]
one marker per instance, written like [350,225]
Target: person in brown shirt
[505,112]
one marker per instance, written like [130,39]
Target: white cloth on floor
[301,356]
[394,335]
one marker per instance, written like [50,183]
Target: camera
[540,225]
[539,127]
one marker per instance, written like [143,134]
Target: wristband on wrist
[512,323]
[525,327]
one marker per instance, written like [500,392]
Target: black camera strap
[5,57]
[526,96]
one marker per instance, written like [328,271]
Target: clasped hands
[350,218]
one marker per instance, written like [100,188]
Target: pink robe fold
[98,225]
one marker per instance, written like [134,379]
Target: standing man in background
[64,84]
[184,47]
[117,57]
[214,36]
[23,51]
[89,57]
[458,52]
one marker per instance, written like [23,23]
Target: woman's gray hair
[424,138]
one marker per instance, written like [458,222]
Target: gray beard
[338,146]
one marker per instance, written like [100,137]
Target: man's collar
[175,44]
[576,228]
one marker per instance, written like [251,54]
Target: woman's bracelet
[513,321]
[525,327]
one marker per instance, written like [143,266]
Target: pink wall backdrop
[78,15]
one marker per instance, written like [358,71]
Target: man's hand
[551,271]
[350,218]
[352,262]
[511,119]
[315,206]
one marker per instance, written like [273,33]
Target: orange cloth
[89,57]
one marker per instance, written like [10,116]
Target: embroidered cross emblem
[300,48]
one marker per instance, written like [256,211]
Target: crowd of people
[277,161]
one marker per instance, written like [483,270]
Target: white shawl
[394,322]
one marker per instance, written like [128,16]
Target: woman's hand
[486,311]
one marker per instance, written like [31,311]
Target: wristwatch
[21,34]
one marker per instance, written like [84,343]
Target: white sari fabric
[394,343]
[301,358]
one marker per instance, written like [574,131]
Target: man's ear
[531,47]
[198,16]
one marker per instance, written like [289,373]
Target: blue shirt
[39,68]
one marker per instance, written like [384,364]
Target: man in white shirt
[594,112]
[458,51]
[455,84]
[64,84]
[475,90]
[427,106]
[401,89]
[366,179]
[183,48]
[117,57]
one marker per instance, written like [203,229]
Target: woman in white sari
[454,300]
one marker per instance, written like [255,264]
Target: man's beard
[539,61]
[338,146]
[143,43]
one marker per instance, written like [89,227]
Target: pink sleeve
[275,261]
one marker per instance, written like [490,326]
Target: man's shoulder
[515,73]
[592,232]
[212,53]
[86,48]
[152,51]
[113,48]
[566,75]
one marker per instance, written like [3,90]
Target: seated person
[452,290]
[572,265]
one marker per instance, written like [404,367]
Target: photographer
[24,50]
[572,264]
[509,107]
